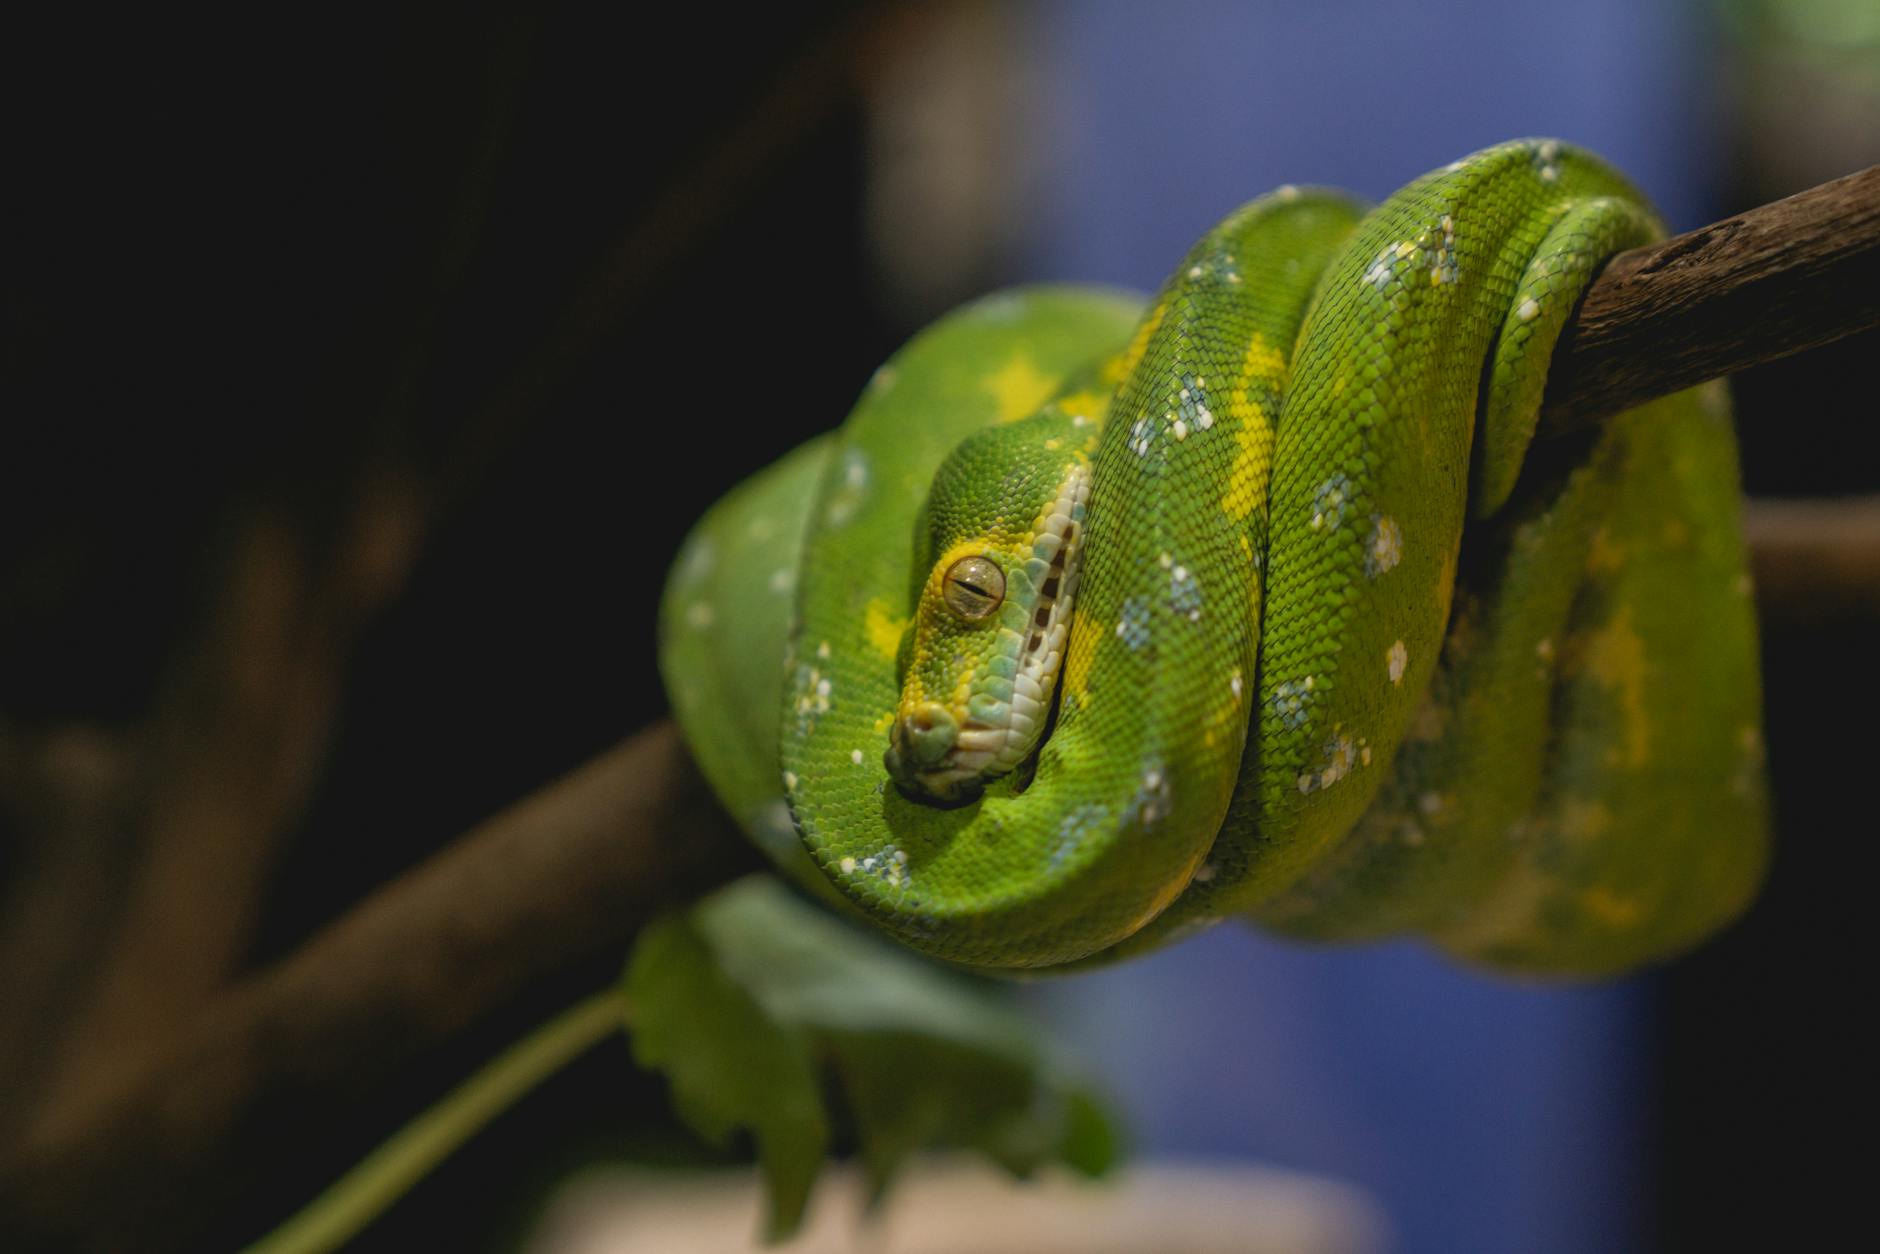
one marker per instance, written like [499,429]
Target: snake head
[1004,531]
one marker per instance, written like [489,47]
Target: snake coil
[1350,655]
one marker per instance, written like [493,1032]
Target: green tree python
[1097,623]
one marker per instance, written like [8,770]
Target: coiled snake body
[1095,624]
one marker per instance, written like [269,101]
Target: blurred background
[362,373]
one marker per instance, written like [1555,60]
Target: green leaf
[755,1003]
[729,1062]
[1092,1142]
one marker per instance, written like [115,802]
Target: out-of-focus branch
[567,874]
[1815,560]
[148,856]
[144,883]
[111,940]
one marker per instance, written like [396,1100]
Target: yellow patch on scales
[883,628]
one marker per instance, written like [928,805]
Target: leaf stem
[384,1175]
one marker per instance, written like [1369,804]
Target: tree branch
[1815,561]
[567,874]
[1776,280]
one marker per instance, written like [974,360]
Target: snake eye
[973,587]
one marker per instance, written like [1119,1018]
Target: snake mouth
[950,754]
[926,755]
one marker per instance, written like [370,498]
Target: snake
[1103,619]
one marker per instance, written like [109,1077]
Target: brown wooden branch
[569,873]
[145,870]
[576,870]
[154,844]
[1815,561]
[1776,280]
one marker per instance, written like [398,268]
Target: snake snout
[920,751]
[925,735]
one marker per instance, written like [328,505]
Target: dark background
[361,375]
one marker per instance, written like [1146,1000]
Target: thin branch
[383,1176]
[1815,561]
[1776,280]
[176,822]
[142,888]
[564,876]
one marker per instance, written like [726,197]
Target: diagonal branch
[1775,280]
[561,877]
